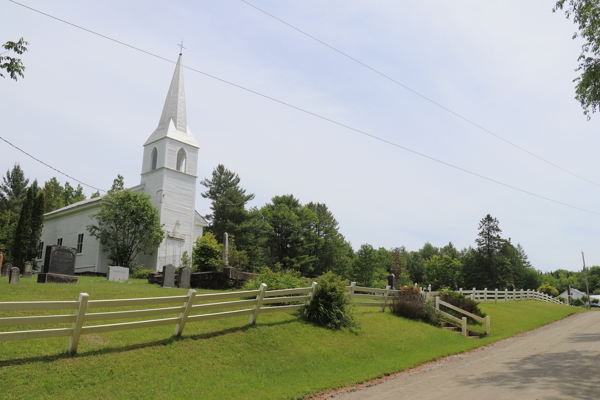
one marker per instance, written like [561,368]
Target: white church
[168,175]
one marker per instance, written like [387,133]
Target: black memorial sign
[59,260]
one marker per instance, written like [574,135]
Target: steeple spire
[175,103]
[173,120]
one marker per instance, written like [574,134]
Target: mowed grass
[281,357]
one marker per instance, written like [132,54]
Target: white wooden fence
[463,322]
[81,315]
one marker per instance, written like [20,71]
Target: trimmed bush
[287,279]
[549,290]
[409,303]
[330,307]
[141,273]
[462,302]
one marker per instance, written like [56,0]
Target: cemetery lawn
[281,357]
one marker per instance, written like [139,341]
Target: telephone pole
[587,286]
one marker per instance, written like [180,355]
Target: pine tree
[228,204]
[29,227]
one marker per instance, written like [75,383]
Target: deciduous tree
[14,66]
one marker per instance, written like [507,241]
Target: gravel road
[558,361]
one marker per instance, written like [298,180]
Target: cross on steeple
[181,47]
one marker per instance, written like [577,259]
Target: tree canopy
[127,225]
[14,66]
[586,14]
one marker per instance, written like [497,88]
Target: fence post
[78,324]
[473,294]
[488,325]
[437,303]
[505,294]
[312,293]
[465,332]
[521,295]
[184,315]
[351,290]
[528,294]
[387,293]
[259,297]
[460,290]
[485,295]
[496,295]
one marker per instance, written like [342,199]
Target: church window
[181,160]
[59,242]
[80,243]
[154,158]
[40,251]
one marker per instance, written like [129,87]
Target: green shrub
[330,307]
[141,273]
[595,301]
[462,302]
[410,303]
[559,298]
[287,279]
[577,303]
[549,290]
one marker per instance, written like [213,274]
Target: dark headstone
[392,281]
[56,278]
[14,275]
[169,276]
[185,275]
[28,270]
[7,268]
[59,260]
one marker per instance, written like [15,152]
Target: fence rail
[261,296]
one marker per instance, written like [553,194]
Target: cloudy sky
[87,105]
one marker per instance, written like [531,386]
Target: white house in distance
[168,175]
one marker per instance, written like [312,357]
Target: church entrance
[174,251]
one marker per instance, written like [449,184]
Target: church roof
[74,205]
[173,120]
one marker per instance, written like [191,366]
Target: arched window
[154,157]
[181,160]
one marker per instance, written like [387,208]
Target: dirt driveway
[558,361]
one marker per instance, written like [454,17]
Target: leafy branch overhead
[13,66]
[586,14]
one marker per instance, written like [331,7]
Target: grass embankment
[280,357]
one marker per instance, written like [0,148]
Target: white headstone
[118,274]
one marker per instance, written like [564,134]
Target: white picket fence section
[81,315]
[463,322]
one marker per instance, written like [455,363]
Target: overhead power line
[321,117]
[50,166]
[421,95]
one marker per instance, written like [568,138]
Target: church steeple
[173,120]
[175,103]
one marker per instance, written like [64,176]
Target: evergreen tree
[29,227]
[13,189]
[228,204]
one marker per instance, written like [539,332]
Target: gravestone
[118,274]
[14,275]
[7,268]
[185,274]
[28,270]
[59,265]
[392,281]
[168,276]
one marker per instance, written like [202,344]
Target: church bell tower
[169,177]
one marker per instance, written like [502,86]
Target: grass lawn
[281,357]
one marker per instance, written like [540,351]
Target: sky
[87,105]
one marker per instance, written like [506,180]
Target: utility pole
[587,286]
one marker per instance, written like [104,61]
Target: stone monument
[59,265]
[7,268]
[226,249]
[28,270]
[168,276]
[118,274]
[392,281]
[14,275]
[185,274]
